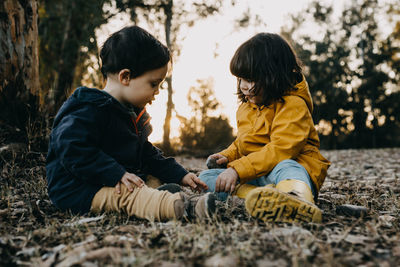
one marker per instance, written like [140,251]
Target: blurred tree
[391,104]
[325,63]
[19,66]
[67,40]
[173,15]
[348,66]
[203,133]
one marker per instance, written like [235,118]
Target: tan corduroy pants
[145,202]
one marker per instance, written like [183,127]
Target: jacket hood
[94,96]
[85,95]
[97,97]
[304,92]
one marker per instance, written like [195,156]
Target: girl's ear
[124,76]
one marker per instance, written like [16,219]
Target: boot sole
[271,205]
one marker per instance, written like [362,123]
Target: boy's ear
[124,76]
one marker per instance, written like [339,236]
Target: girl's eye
[154,85]
[240,80]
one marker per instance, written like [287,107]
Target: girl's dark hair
[271,63]
[135,49]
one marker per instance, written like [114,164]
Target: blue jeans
[284,170]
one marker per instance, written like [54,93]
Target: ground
[33,232]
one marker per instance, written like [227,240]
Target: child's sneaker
[195,206]
[290,201]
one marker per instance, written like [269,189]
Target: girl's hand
[128,179]
[226,181]
[219,158]
[194,182]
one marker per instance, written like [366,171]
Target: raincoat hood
[304,92]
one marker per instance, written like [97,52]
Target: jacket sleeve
[75,140]
[232,151]
[289,133]
[164,168]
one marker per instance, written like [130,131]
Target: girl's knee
[212,174]
[210,177]
[288,163]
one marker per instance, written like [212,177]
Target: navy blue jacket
[94,141]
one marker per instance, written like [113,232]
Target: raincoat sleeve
[232,152]
[75,140]
[289,132]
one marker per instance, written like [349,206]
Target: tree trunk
[170,105]
[19,64]
[67,62]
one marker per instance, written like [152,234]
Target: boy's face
[142,90]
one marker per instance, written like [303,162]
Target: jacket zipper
[135,125]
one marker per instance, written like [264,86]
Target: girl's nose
[245,85]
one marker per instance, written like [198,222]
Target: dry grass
[32,231]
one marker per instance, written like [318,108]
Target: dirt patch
[32,231]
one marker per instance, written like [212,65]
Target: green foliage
[166,18]
[67,41]
[349,66]
[203,132]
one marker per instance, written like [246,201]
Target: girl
[99,155]
[274,163]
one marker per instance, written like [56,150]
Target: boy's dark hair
[271,63]
[135,49]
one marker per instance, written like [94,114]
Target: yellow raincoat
[269,134]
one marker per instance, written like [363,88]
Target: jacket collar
[140,118]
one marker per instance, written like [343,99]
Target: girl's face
[248,89]
[143,89]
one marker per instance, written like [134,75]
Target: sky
[216,35]
[209,37]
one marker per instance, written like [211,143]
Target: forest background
[350,52]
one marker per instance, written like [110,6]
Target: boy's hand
[220,160]
[128,179]
[226,181]
[194,182]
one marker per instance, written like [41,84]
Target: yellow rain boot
[242,190]
[290,201]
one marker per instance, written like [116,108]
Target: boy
[98,151]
